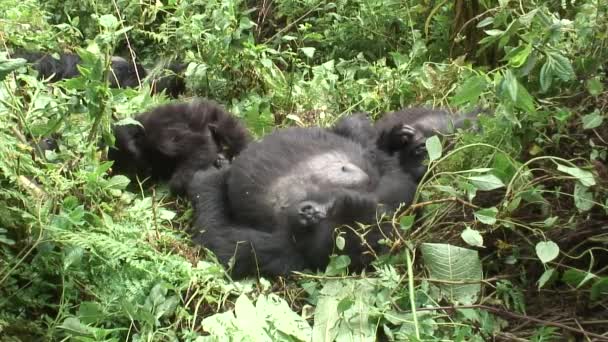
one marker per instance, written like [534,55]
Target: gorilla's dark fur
[170,79]
[283,197]
[405,132]
[123,73]
[176,140]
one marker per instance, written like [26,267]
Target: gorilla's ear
[128,133]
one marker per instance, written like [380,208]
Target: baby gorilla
[174,141]
[406,131]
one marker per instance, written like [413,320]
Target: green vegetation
[508,237]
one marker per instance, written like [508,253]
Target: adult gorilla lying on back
[284,195]
[176,140]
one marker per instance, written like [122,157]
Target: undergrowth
[507,238]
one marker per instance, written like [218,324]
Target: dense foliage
[508,235]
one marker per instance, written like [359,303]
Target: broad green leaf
[472,237]
[7,66]
[454,264]
[487,215]
[520,56]
[406,222]
[90,312]
[470,90]
[599,289]
[577,278]
[434,148]
[525,101]
[494,32]
[108,21]
[547,275]
[119,182]
[485,22]
[547,251]
[583,199]
[562,66]
[593,120]
[594,86]
[546,76]
[343,312]
[308,51]
[585,177]
[486,182]
[340,243]
[510,85]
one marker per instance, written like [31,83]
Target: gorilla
[170,79]
[173,141]
[123,73]
[282,198]
[405,132]
[290,164]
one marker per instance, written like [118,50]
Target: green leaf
[119,182]
[10,65]
[434,148]
[519,56]
[593,120]
[90,312]
[472,237]
[585,177]
[547,275]
[494,33]
[406,222]
[547,251]
[485,22]
[510,85]
[486,182]
[546,76]
[583,199]
[594,86]
[308,51]
[487,215]
[454,264]
[108,21]
[470,90]
[340,243]
[577,278]
[599,289]
[525,101]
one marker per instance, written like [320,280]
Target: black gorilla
[289,165]
[170,79]
[405,132]
[123,73]
[282,197]
[176,140]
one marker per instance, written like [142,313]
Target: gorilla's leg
[252,251]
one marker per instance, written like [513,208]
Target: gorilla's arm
[357,127]
[253,251]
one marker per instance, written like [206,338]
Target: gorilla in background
[405,132]
[282,197]
[123,73]
[176,140]
[169,79]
